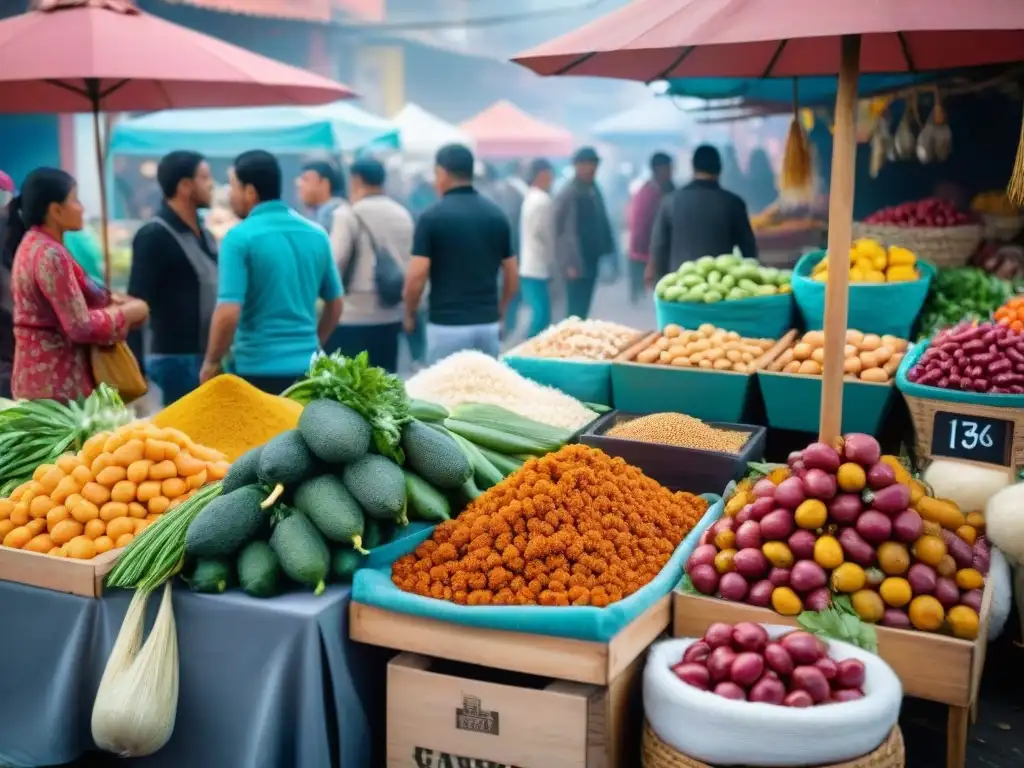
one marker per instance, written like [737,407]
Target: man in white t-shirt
[537,246]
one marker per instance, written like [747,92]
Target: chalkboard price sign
[975,438]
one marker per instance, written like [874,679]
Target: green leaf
[686,586]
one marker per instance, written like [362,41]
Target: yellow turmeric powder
[231,415]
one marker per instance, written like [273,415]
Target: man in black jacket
[700,219]
[174,269]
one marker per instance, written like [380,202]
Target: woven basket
[943,246]
[657,754]
[1002,228]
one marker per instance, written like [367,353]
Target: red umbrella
[503,130]
[658,39]
[93,55]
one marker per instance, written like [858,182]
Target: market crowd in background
[471,258]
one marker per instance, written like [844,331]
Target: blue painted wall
[26,142]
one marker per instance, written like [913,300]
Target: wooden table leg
[956,736]
[623,703]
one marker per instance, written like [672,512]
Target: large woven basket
[657,754]
[943,246]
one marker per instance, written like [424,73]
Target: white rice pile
[473,377]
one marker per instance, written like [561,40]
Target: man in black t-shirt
[460,245]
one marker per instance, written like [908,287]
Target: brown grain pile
[575,527]
[682,431]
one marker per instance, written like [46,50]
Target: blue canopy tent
[812,91]
[227,132]
[651,121]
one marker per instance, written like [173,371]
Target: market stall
[421,133]
[505,132]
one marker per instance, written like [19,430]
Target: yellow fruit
[828,553]
[41,544]
[103,544]
[786,602]
[848,578]
[811,514]
[929,528]
[967,533]
[902,475]
[81,548]
[969,578]
[963,621]
[976,520]
[942,511]
[725,539]
[893,558]
[926,613]
[896,592]
[779,474]
[736,503]
[18,537]
[851,477]
[778,554]
[930,550]
[723,560]
[868,605]
[946,567]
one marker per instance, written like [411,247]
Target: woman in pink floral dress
[58,312]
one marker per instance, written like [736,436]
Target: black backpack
[388,276]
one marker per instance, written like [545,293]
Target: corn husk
[796,180]
[904,141]
[137,701]
[926,142]
[942,134]
[1015,188]
[881,146]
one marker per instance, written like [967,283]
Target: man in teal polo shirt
[274,265]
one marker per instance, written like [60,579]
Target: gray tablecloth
[263,683]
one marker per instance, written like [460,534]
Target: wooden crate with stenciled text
[444,718]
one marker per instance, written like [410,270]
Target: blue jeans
[444,340]
[579,294]
[417,340]
[176,375]
[535,292]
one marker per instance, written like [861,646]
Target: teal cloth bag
[907,387]
[587,381]
[880,308]
[759,317]
[373,586]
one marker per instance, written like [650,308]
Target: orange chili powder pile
[575,527]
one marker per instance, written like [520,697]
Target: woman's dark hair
[260,170]
[42,188]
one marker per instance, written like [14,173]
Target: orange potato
[215,470]
[114,442]
[120,526]
[103,544]
[176,436]
[6,507]
[55,515]
[83,475]
[93,447]
[124,491]
[36,525]
[141,525]
[68,463]
[124,540]
[18,538]
[197,481]
[66,487]
[100,463]
[174,487]
[18,492]
[95,528]
[113,509]
[158,505]
[65,531]
[57,552]
[81,548]
[147,490]
[112,475]
[188,464]
[40,506]
[138,472]
[85,511]
[153,517]
[41,544]
[41,470]
[51,478]
[6,526]
[137,510]
[20,515]
[129,453]
[162,471]
[96,493]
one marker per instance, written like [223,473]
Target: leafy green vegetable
[36,432]
[686,586]
[840,622]
[961,293]
[378,396]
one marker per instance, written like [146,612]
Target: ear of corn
[796,181]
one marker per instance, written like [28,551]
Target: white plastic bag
[724,732]
[137,700]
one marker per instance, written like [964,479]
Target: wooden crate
[440,719]
[930,666]
[604,675]
[77,577]
[580,661]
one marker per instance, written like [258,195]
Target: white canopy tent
[423,133]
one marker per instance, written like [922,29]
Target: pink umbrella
[504,131]
[106,55]
[657,39]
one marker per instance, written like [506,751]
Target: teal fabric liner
[907,387]
[703,394]
[760,317]
[793,402]
[373,586]
[587,381]
[881,308]
[386,554]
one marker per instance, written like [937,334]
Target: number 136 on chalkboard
[975,438]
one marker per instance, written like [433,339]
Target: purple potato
[718,634]
[821,456]
[748,535]
[748,636]
[850,673]
[807,576]
[705,579]
[751,564]
[907,526]
[746,669]
[862,449]
[803,647]
[779,577]
[820,484]
[845,508]
[778,659]
[729,690]
[768,691]
[895,618]
[697,653]
[819,600]
[790,493]
[922,579]
[812,680]
[702,555]
[693,674]
[880,476]
[874,527]
[720,661]
[760,594]
[799,699]
[801,544]
[777,525]
[732,587]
